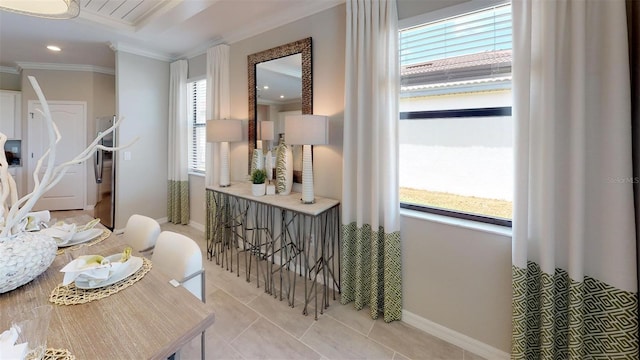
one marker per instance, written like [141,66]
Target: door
[70,118]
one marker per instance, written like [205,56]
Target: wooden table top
[151,319]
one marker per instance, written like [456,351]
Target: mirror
[280,84]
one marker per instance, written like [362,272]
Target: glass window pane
[459,164]
[455,154]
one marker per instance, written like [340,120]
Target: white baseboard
[196,226]
[453,337]
[193,224]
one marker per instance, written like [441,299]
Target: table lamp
[306,130]
[223,132]
[266,133]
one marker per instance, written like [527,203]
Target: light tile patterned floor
[251,324]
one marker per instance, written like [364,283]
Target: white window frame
[439,15]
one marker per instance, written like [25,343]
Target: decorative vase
[258,189]
[284,169]
[23,257]
[257,162]
[268,165]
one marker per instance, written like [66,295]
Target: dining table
[150,319]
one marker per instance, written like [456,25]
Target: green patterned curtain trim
[178,202]
[371,270]
[555,317]
[211,216]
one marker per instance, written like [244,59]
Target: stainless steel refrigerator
[105,174]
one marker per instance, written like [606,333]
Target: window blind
[472,33]
[198,122]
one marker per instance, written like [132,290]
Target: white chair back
[141,232]
[178,256]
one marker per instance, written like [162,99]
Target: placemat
[58,354]
[71,295]
[105,234]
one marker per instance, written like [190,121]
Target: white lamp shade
[55,9]
[224,130]
[266,130]
[306,129]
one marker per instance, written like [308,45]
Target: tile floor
[251,324]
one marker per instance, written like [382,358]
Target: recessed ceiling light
[281,96]
[265,87]
[53,48]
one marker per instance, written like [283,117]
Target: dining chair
[141,233]
[179,257]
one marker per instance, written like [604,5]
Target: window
[197,121]
[456,133]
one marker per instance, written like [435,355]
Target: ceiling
[162,29]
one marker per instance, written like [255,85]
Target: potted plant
[258,178]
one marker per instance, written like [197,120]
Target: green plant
[258,176]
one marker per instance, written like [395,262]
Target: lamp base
[307,176]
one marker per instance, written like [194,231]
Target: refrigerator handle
[97,166]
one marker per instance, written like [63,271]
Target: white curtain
[371,267]
[574,243]
[217,102]
[178,182]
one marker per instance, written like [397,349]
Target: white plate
[82,237]
[130,267]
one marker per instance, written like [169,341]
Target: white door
[70,118]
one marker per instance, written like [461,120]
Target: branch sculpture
[14,210]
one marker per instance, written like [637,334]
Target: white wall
[459,278]
[10,81]
[96,89]
[142,93]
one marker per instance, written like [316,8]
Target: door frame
[31,162]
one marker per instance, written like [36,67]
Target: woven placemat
[58,354]
[71,295]
[105,234]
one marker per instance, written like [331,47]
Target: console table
[280,238]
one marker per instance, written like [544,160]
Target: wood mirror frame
[302,47]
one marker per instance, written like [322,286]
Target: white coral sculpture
[14,210]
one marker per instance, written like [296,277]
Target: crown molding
[202,49]
[283,18]
[64,67]
[137,50]
[245,32]
[9,70]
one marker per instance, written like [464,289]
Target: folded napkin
[35,221]
[8,347]
[91,268]
[63,232]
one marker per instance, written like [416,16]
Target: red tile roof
[464,61]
